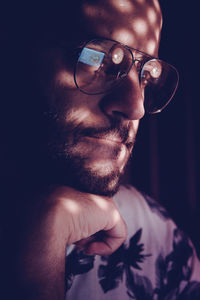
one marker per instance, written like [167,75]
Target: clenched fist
[92,222]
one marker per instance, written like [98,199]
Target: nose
[126,100]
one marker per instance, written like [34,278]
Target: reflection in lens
[101,65]
[154,67]
[159,81]
[117,55]
[91,57]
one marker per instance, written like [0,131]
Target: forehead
[136,23]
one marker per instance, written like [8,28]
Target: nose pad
[121,74]
[126,99]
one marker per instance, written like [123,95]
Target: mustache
[115,129]
[121,132]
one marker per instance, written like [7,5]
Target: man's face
[91,136]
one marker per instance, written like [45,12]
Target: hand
[60,217]
[92,222]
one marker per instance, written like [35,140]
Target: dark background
[166,161]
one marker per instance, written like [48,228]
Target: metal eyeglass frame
[142,63]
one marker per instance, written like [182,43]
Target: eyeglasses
[103,64]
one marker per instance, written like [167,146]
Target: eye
[151,73]
[152,69]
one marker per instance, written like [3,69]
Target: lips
[114,138]
[110,138]
[122,135]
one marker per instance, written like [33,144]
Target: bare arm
[67,216]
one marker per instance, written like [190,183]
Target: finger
[106,247]
[82,244]
[109,240]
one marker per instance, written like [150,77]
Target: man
[96,71]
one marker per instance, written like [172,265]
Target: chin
[91,182]
[82,175]
[88,168]
[97,176]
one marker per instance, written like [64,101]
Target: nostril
[119,115]
[110,110]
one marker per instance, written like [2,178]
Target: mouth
[118,136]
[113,139]
[109,138]
[107,141]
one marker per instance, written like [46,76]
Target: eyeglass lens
[102,64]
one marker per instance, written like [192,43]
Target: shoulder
[131,201]
[140,211]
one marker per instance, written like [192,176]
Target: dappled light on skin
[132,132]
[124,36]
[156,4]
[99,156]
[129,30]
[103,167]
[124,6]
[133,75]
[115,216]
[151,46]
[151,15]
[140,26]
[71,206]
[101,202]
[104,205]
[112,184]
[121,158]
[77,115]
[157,35]
[64,78]
[110,156]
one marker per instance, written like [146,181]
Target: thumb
[106,242]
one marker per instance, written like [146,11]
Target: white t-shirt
[157,261]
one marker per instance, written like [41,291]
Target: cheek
[134,130]
[65,78]
[75,108]
[63,98]
[78,115]
[52,70]
[84,114]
